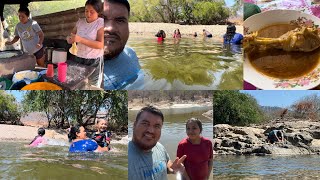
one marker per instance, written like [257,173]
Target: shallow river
[188,64]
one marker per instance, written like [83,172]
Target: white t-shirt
[89,31]
[28,35]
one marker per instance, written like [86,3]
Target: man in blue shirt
[231,37]
[121,64]
[147,158]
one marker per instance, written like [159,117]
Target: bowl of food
[41,86]
[27,76]
[281,50]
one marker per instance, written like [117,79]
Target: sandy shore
[26,133]
[139,28]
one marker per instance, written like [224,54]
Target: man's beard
[142,146]
[109,55]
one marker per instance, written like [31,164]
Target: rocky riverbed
[301,137]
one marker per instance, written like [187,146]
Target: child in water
[89,36]
[199,151]
[161,35]
[39,139]
[102,137]
[31,36]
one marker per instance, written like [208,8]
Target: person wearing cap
[121,64]
[231,37]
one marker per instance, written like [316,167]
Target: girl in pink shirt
[199,151]
[38,139]
[89,36]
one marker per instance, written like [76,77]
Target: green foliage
[38,9]
[237,7]
[210,13]
[235,108]
[117,103]
[179,11]
[9,111]
[78,107]
[47,7]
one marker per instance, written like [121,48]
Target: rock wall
[301,137]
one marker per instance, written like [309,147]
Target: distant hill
[270,108]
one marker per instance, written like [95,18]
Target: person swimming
[195,34]
[39,139]
[80,142]
[231,37]
[161,35]
[206,33]
[102,137]
[177,34]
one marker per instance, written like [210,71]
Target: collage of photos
[159,89]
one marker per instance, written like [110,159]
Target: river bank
[150,29]
[11,133]
[182,107]
[27,133]
[301,137]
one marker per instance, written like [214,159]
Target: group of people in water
[230,37]
[99,141]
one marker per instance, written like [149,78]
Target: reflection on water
[189,63]
[269,167]
[19,162]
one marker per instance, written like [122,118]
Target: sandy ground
[138,28]
[26,133]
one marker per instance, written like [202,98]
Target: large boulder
[301,137]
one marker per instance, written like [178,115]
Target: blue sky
[229,2]
[279,98]
[17,94]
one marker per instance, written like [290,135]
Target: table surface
[77,74]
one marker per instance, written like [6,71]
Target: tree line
[169,96]
[63,108]
[205,12]
[236,108]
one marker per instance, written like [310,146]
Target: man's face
[116,28]
[147,130]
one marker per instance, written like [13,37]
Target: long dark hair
[73,132]
[160,33]
[231,31]
[96,4]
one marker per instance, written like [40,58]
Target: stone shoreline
[301,137]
